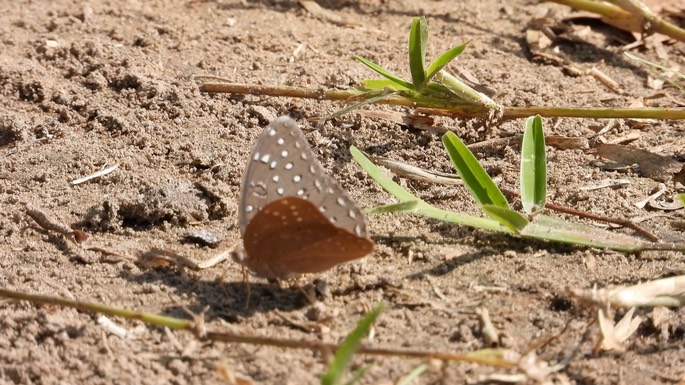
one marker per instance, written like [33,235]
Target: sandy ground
[87,85]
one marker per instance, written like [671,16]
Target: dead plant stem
[455,112]
[199,329]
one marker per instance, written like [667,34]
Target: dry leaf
[658,167]
[613,336]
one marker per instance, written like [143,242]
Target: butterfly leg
[307,290]
[248,288]
[310,298]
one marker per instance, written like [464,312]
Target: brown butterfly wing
[291,236]
[323,255]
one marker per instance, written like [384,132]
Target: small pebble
[204,237]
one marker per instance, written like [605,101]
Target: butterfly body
[294,218]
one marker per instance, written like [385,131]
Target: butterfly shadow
[230,301]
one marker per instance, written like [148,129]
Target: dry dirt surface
[86,85]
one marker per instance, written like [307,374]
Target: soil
[88,85]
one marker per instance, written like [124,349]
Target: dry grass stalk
[490,333]
[661,292]
[94,175]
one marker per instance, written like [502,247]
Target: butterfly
[293,217]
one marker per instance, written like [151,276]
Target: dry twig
[50,224]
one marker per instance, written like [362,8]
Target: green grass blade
[379,84]
[343,357]
[413,375]
[402,207]
[659,66]
[465,92]
[444,59]
[382,71]
[682,199]
[428,211]
[418,38]
[379,176]
[559,230]
[438,90]
[507,217]
[533,166]
[663,68]
[482,187]
[370,98]
[543,227]
[422,208]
